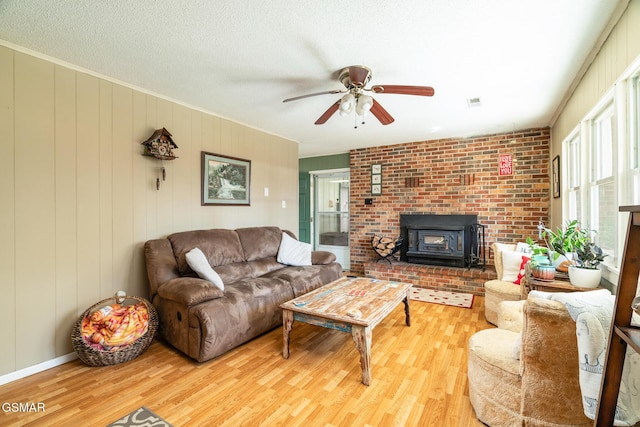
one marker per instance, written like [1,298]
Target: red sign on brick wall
[506,164]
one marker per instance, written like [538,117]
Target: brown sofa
[203,321]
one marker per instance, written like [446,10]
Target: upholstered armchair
[527,378]
[498,290]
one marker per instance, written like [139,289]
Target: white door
[331,215]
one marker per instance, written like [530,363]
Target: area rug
[140,417]
[456,299]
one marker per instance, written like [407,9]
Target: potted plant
[586,272]
[542,266]
[565,239]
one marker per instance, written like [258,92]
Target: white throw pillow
[511,261]
[294,252]
[198,263]
[523,247]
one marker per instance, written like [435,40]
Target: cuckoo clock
[160,145]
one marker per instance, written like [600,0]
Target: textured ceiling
[239,59]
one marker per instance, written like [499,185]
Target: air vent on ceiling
[474,102]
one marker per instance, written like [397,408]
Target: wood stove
[448,240]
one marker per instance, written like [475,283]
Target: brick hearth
[432,277]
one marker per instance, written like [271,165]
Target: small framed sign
[506,164]
[376,179]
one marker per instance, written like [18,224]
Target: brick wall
[453,176]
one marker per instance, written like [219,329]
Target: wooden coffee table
[354,305]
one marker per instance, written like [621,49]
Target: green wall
[336,161]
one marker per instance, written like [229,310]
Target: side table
[560,284]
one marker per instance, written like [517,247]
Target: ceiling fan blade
[381,114]
[327,114]
[358,75]
[295,98]
[404,90]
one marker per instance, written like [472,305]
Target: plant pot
[562,258]
[584,277]
[544,272]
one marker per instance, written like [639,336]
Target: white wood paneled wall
[78,200]
[619,51]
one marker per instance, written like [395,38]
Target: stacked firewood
[384,246]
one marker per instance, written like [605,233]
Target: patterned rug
[456,299]
[140,417]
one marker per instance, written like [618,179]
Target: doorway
[330,220]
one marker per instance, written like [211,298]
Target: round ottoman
[494,377]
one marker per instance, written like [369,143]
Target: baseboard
[22,373]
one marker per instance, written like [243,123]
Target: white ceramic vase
[584,277]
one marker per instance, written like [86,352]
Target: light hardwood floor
[419,378]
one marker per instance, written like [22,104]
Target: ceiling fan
[354,79]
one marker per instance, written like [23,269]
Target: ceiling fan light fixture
[364,104]
[347,104]
[355,79]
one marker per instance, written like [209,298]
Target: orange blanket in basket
[115,326]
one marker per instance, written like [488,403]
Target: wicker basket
[94,357]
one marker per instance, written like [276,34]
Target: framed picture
[376,169]
[555,176]
[225,180]
[376,179]
[376,189]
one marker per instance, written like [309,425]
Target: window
[603,203]
[572,178]
[634,142]
[601,167]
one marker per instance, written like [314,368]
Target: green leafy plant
[589,255]
[566,239]
[573,238]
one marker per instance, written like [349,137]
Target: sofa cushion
[306,279]
[294,252]
[231,273]
[198,263]
[322,257]
[249,308]
[259,242]
[221,247]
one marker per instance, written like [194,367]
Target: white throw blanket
[592,312]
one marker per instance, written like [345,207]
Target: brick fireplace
[450,240]
[451,176]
